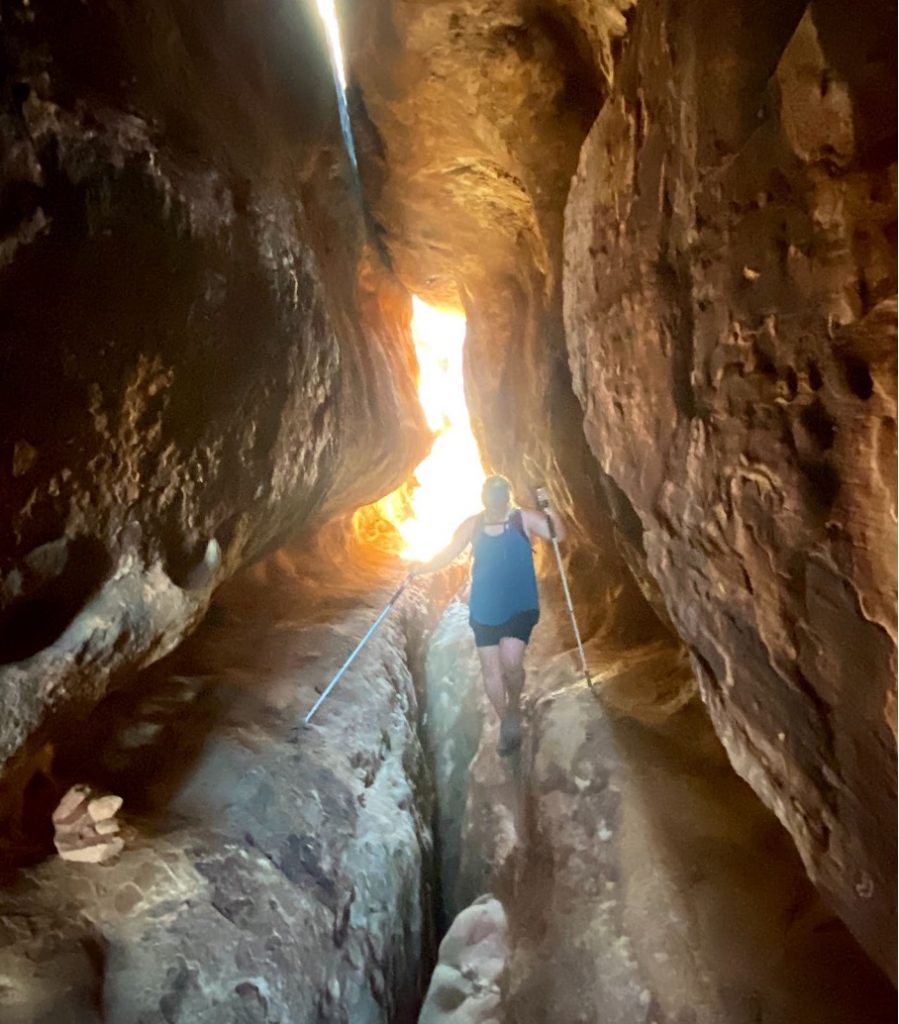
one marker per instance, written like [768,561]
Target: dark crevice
[58,580]
[858,376]
[584,89]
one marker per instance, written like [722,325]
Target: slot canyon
[254,288]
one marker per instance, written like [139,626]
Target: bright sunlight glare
[447,484]
[329,17]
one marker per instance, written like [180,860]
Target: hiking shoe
[509,734]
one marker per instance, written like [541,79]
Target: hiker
[504,606]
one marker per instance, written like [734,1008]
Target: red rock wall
[729,300]
[725,281]
[198,340]
[469,119]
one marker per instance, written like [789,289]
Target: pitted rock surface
[730,318]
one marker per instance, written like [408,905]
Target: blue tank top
[503,581]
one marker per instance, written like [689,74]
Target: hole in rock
[858,377]
[821,486]
[819,424]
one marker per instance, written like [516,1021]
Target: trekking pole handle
[543,505]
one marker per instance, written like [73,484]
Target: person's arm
[536,524]
[461,540]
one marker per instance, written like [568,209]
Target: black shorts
[520,626]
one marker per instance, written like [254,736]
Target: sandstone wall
[201,350]
[730,318]
[469,119]
[708,376]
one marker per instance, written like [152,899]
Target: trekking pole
[358,648]
[543,503]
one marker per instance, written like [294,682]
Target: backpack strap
[516,520]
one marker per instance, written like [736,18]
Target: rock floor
[271,872]
[642,879]
[277,873]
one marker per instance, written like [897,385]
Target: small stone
[106,827]
[751,275]
[103,807]
[71,803]
[864,886]
[95,854]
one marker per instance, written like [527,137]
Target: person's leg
[492,671]
[511,657]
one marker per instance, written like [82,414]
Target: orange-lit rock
[201,352]
[714,406]
[749,420]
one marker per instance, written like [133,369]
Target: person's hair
[494,485]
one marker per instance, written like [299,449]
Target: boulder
[466,986]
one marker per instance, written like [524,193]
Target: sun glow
[446,486]
[332,30]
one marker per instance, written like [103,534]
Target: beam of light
[446,486]
[332,31]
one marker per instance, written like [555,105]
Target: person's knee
[495,676]
[492,673]
[513,673]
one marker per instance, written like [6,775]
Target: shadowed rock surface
[199,342]
[270,871]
